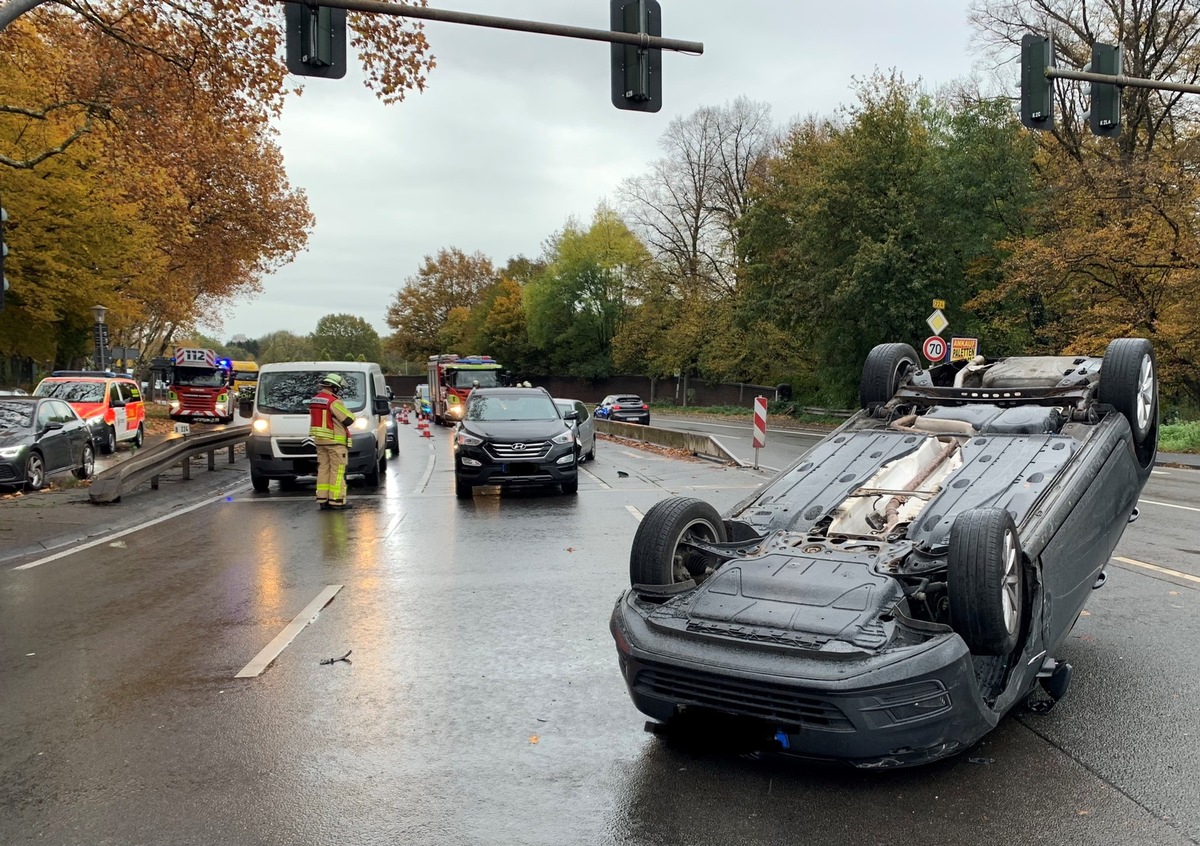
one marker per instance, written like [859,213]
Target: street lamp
[100,336]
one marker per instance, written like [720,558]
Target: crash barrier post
[705,446]
[148,464]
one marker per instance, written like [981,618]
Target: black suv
[514,436]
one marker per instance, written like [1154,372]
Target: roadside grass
[1179,437]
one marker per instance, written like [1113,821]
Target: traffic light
[1104,111]
[1037,90]
[316,40]
[3,253]
[636,71]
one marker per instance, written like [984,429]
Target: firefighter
[329,422]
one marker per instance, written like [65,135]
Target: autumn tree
[284,346]
[345,337]
[420,313]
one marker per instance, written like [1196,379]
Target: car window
[73,391]
[582,411]
[45,414]
[16,415]
[62,412]
[628,400]
[130,392]
[495,407]
[289,391]
[114,394]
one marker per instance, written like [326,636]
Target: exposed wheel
[140,437]
[571,487]
[985,580]
[394,451]
[35,472]
[463,490]
[1129,383]
[87,463]
[260,483]
[885,367]
[108,444]
[657,558]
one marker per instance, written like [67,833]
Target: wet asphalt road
[483,703]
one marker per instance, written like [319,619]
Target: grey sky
[516,132]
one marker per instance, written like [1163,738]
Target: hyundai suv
[514,437]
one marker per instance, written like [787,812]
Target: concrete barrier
[705,446]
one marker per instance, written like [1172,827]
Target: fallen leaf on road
[533,738]
[1173,593]
[570,549]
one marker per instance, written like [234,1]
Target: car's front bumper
[891,709]
[540,471]
[287,459]
[12,470]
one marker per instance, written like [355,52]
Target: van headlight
[361,424]
[567,437]
[261,426]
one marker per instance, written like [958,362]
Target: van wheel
[372,478]
[260,483]
[109,443]
[140,437]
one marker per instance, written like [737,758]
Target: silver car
[585,427]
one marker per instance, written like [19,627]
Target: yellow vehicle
[244,374]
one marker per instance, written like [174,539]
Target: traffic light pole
[1118,80]
[470,18]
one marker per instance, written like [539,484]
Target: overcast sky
[516,132]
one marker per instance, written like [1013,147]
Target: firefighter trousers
[331,474]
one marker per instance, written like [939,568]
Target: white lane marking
[1186,576]
[271,651]
[110,538]
[1160,473]
[428,470]
[637,515]
[1168,505]
[641,456]
[392,526]
[596,478]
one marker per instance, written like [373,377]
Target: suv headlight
[466,439]
[567,437]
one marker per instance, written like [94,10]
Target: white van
[280,447]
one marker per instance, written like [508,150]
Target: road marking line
[428,470]
[1160,473]
[1187,576]
[641,456]
[130,531]
[1169,505]
[392,526]
[637,515]
[596,478]
[271,651]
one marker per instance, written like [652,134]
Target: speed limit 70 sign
[934,348]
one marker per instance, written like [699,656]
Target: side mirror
[117,404]
[382,407]
[246,407]
[571,415]
[52,426]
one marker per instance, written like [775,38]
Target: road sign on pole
[937,321]
[934,349]
[963,349]
[760,426]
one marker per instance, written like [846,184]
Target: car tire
[1129,383]
[260,483]
[87,463]
[656,558]
[985,580]
[109,445]
[140,437]
[570,488]
[591,456]
[372,477]
[35,472]
[463,490]
[883,371]
[383,466]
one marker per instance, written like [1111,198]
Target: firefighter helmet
[333,380]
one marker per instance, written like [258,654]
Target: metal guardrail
[152,462]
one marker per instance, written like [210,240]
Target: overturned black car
[886,599]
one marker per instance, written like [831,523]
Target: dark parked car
[624,408]
[514,437]
[40,437]
[887,598]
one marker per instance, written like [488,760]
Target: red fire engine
[451,379]
[200,389]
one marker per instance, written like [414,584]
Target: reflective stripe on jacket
[328,419]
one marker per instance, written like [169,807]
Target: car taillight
[645,407]
[616,408]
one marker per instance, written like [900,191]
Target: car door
[51,439]
[75,431]
[135,407]
[587,428]
[119,416]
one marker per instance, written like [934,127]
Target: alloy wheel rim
[35,472]
[697,530]
[89,461]
[1009,587]
[1145,394]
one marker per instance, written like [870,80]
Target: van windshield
[289,391]
[72,391]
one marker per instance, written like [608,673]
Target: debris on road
[346,658]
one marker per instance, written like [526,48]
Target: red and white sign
[963,349]
[185,356]
[934,348]
[760,422]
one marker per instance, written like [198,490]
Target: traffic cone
[425,433]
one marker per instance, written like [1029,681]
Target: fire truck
[451,379]
[201,387]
